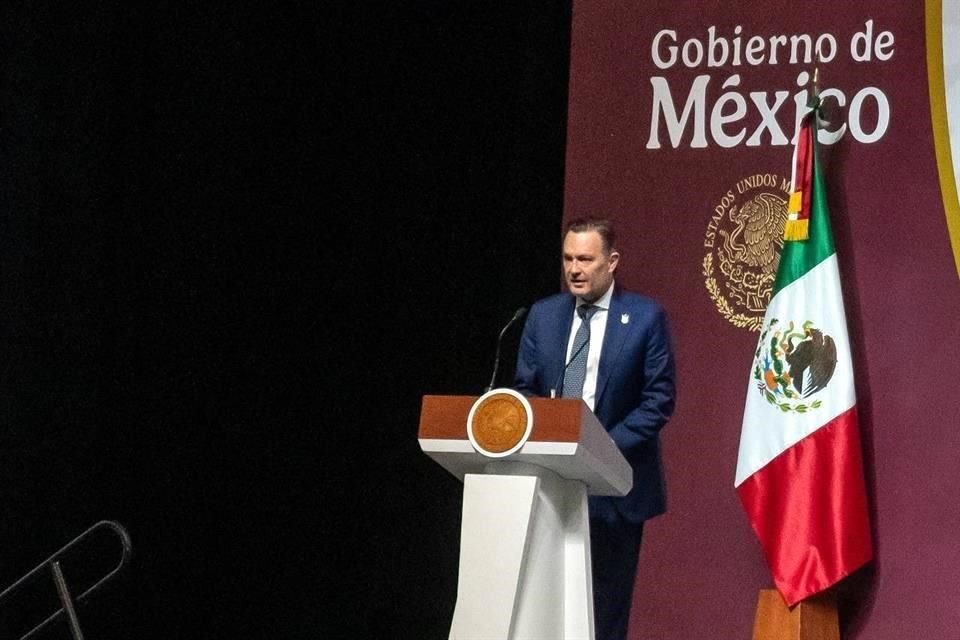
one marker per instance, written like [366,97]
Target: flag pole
[816,74]
[815,617]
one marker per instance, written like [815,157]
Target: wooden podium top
[565,437]
[556,420]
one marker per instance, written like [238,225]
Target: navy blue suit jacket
[635,386]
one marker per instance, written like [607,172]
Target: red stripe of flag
[808,508]
[803,171]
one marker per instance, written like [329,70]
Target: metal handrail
[54,563]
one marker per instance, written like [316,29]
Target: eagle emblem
[791,365]
[744,239]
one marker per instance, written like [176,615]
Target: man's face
[588,271]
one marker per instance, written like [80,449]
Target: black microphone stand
[522,311]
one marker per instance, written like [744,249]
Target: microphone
[519,313]
[563,372]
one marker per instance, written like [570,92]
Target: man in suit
[628,382]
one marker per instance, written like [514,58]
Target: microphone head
[522,311]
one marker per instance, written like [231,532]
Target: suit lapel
[614,335]
[563,321]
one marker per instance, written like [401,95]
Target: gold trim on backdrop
[941,132]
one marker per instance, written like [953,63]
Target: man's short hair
[604,227]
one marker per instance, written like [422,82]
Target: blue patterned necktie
[577,368]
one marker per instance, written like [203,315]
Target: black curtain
[238,242]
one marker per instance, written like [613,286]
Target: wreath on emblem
[791,365]
[735,318]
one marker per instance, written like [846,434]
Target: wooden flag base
[812,619]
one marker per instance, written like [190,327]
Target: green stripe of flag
[800,256]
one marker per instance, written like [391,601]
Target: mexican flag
[800,466]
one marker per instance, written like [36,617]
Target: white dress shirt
[598,325]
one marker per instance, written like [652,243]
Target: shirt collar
[603,302]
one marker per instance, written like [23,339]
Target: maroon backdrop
[701,567]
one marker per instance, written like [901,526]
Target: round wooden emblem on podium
[499,423]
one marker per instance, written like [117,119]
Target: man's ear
[614,260]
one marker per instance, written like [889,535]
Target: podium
[527,466]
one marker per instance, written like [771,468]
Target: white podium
[524,570]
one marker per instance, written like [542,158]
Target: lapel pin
[625,318]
